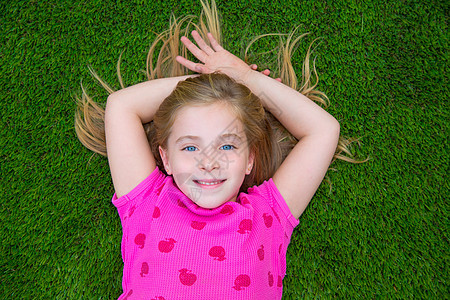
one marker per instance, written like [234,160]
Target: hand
[265,72]
[213,59]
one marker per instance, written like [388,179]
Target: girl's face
[207,154]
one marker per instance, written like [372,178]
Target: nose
[208,164]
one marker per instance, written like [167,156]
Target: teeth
[208,183]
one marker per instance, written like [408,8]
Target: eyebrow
[186,137]
[197,138]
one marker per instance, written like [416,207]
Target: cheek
[181,178]
[183,162]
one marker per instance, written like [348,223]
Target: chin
[208,204]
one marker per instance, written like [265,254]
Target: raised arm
[129,155]
[303,170]
[301,173]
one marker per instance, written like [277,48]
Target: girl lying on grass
[211,171]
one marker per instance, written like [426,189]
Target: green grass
[381,232]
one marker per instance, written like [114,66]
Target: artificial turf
[380,233]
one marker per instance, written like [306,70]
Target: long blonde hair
[270,141]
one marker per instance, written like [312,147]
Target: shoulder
[147,189]
[268,194]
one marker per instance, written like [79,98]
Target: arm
[303,170]
[129,155]
[301,173]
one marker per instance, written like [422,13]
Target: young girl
[208,206]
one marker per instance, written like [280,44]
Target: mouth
[210,183]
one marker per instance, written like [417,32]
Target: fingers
[201,43]
[214,43]
[204,51]
[265,72]
[190,64]
[198,53]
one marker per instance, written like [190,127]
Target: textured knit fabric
[174,249]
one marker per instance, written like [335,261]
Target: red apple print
[159,298]
[167,245]
[227,210]
[158,191]
[268,219]
[245,226]
[244,200]
[261,253]
[156,213]
[128,295]
[270,275]
[276,215]
[279,248]
[144,269]
[187,277]
[181,204]
[131,211]
[218,252]
[198,225]
[140,240]
[241,281]
[280,281]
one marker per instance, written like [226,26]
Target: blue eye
[190,148]
[227,147]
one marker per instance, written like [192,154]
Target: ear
[165,160]
[251,159]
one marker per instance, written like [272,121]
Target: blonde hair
[268,139]
[219,88]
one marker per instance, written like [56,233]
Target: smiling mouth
[209,183]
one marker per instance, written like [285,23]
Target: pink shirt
[174,249]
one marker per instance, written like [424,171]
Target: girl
[207,197]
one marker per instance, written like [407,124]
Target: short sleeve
[139,194]
[281,203]
[271,194]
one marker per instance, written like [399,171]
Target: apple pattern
[218,252]
[245,226]
[140,240]
[241,281]
[244,200]
[268,219]
[227,210]
[156,213]
[270,275]
[198,225]
[166,246]
[187,277]
[261,253]
[144,269]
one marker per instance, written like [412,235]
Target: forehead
[207,122]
